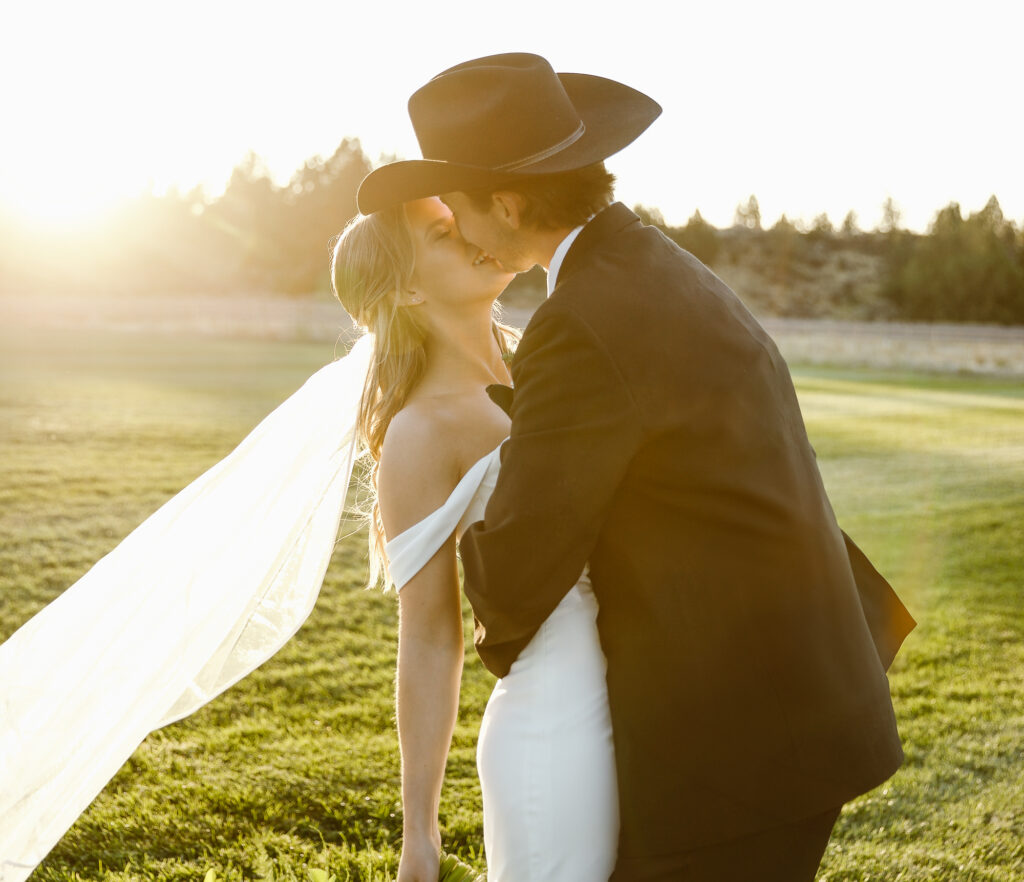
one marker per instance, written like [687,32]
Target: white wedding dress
[545,753]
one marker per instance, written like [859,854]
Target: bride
[223,574]
[545,752]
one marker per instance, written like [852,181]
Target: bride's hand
[421,859]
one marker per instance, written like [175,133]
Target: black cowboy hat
[491,120]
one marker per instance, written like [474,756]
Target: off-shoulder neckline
[455,490]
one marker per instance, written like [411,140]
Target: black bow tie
[501,396]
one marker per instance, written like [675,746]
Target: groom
[656,436]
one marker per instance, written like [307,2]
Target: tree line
[259,235]
[964,269]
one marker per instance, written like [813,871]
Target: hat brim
[613,114]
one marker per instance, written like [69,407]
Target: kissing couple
[691,654]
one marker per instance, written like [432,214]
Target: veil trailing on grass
[200,594]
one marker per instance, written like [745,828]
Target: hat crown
[498,112]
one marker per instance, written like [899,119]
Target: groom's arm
[575,429]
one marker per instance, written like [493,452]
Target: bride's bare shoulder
[428,447]
[419,465]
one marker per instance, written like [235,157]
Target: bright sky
[812,106]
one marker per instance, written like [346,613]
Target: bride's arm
[415,478]
[430,655]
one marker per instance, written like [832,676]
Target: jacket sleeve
[575,429]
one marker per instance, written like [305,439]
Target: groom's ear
[507,207]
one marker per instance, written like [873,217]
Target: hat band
[545,153]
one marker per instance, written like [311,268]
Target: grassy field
[296,768]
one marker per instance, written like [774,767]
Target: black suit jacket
[656,435]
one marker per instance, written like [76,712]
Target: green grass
[296,768]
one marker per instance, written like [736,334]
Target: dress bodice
[411,549]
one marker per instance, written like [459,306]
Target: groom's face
[489,230]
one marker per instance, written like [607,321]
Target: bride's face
[448,270]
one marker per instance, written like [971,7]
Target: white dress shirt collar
[559,256]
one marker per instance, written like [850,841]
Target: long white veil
[201,593]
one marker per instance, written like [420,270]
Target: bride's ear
[410,298]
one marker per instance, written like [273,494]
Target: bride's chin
[496,284]
[502,273]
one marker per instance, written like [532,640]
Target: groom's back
[745,684]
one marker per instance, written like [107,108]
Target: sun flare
[109,99]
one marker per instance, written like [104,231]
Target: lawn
[296,768]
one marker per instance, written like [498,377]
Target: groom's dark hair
[556,201]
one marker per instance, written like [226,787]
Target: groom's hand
[420,861]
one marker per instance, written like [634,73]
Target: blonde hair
[372,263]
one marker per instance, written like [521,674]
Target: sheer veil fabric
[200,594]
